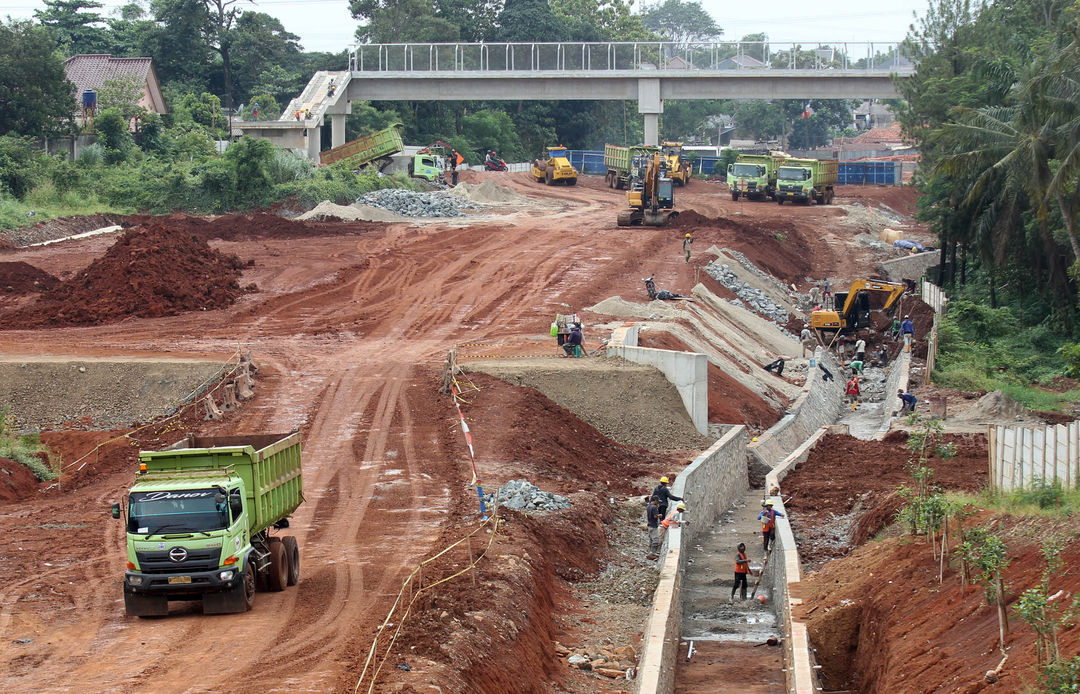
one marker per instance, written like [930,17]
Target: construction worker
[856,366]
[907,401]
[907,329]
[768,517]
[776,366]
[674,519]
[826,293]
[652,519]
[574,341]
[860,349]
[687,242]
[742,568]
[806,338]
[852,391]
[664,495]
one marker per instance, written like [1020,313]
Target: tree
[218,31]
[178,44]
[681,22]
[76,31]
[260,44]
[599,20]
[529,20]
[402,20]
[114,134]
[35,95]
[986,553]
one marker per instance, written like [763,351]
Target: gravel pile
[623,585]
[522,495]
[753,298]
[872,384]
[413,204]
[746,263]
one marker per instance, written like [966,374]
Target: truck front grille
[196,560]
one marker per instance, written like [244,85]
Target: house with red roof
[90,72]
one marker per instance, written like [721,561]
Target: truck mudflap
[226,602]
[142,605]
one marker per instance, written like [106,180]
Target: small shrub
[1042,494]
[92,156]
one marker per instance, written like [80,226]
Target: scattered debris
[754,299]
[521,495]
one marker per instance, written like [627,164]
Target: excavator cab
[651,195]
[866,304]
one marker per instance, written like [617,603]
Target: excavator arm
[858,308]
[650,199]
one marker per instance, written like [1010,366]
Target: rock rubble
[753,298]
[522,495]
[416,204]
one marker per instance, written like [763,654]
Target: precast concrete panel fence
[1024,456]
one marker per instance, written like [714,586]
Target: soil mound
[21,278]
[488,193]
[351,213]
[149,272]
[994,406]
[259,226]
[16,481]
[776,246]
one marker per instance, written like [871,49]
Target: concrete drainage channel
[692,600]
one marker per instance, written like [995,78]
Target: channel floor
[729,638]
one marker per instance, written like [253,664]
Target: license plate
[179,579]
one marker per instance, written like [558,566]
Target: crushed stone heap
[522,495]
[413,204]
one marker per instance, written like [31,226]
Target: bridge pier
[650,105]
[337,129]
[314,142]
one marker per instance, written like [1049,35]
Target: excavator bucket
[659,218]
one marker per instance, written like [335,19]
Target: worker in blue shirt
[908,400]
[907,329]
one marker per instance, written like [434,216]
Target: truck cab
[199,519]
[427,166]
[746,179]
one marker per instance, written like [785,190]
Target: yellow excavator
[651,195]
[863,302]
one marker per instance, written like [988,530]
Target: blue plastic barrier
[889,173]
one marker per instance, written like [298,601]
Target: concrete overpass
[646,72]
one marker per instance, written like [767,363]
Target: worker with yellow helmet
[663,494]
[687,242]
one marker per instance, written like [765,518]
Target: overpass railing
[852,57]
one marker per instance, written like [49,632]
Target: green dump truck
[753,176]
[806,180]
[377,147]
[199,518]
[620,163]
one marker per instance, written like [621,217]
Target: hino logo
[177,554]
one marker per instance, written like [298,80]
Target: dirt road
[348,327]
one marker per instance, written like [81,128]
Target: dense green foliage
[994,111]
[25,449]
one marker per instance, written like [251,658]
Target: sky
[325,25]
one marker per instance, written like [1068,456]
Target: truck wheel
[549,177]
[248,585]
[278,577]
[779,201]
[571,181]
[292,553]
[735,197]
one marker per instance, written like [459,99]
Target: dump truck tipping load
[199,518]
[620,161]
[377,146]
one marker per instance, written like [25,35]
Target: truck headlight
[225,575]
[134,580]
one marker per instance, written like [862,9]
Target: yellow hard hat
[663,480]
[688,236]
[768,502]
[681,506]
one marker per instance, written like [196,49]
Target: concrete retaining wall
[687,371]
[784,576]
[817,406]
[899,373]
[910,266]
[710,485]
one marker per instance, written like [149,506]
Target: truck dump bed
[368,148]
[269,464]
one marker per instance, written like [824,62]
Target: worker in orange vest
[768,523]
[742,568]
[675,517]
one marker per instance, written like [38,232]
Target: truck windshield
[749,170]
[792,174]
[177,511]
